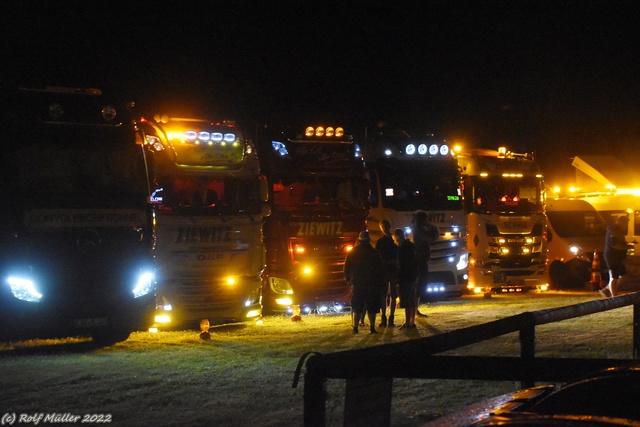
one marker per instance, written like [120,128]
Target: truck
[319,204]
[407,176]
[576,233]
[210,200]
[76,231]
[506,223]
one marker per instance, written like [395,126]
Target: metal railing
[369,371]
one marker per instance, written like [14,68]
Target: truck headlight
[144,285]
[464,261]
[280,286]
[24,289]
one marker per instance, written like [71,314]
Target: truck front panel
[209,268]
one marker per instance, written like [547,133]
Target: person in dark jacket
[615,253]
[407,277]
[364,271]
[424,235]
[389,251]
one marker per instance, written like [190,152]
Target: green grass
[243,375]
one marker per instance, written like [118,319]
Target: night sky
[559,78]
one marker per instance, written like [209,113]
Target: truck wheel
[579,273]
[558,275]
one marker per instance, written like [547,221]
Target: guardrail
[369,371]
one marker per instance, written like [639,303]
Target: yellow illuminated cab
[210,202]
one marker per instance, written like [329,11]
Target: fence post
[527,342]
[315,394]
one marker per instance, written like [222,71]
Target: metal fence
[369,372]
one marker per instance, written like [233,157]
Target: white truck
[506,223]
[409,175]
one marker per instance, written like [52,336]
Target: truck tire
[558,275]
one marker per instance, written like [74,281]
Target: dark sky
[560,78]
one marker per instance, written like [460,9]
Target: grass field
[243,375]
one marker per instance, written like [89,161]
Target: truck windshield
[497,194]
[203,194]
[411,186]
[63,166]
[577,224]
[320,194]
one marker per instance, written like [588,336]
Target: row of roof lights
[322,131]
[423,149]
[210,136]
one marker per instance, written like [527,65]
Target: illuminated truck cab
[76,231]
[319,205]
[209,208]
[506,224]
[410,175]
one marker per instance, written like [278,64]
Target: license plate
[96,322]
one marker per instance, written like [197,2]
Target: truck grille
[208,295]
[445,249]
[326,258]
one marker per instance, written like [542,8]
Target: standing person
[407,277]
[615,253]
[389,252]
[364,271]
[424,234]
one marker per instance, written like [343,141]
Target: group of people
[394,268]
